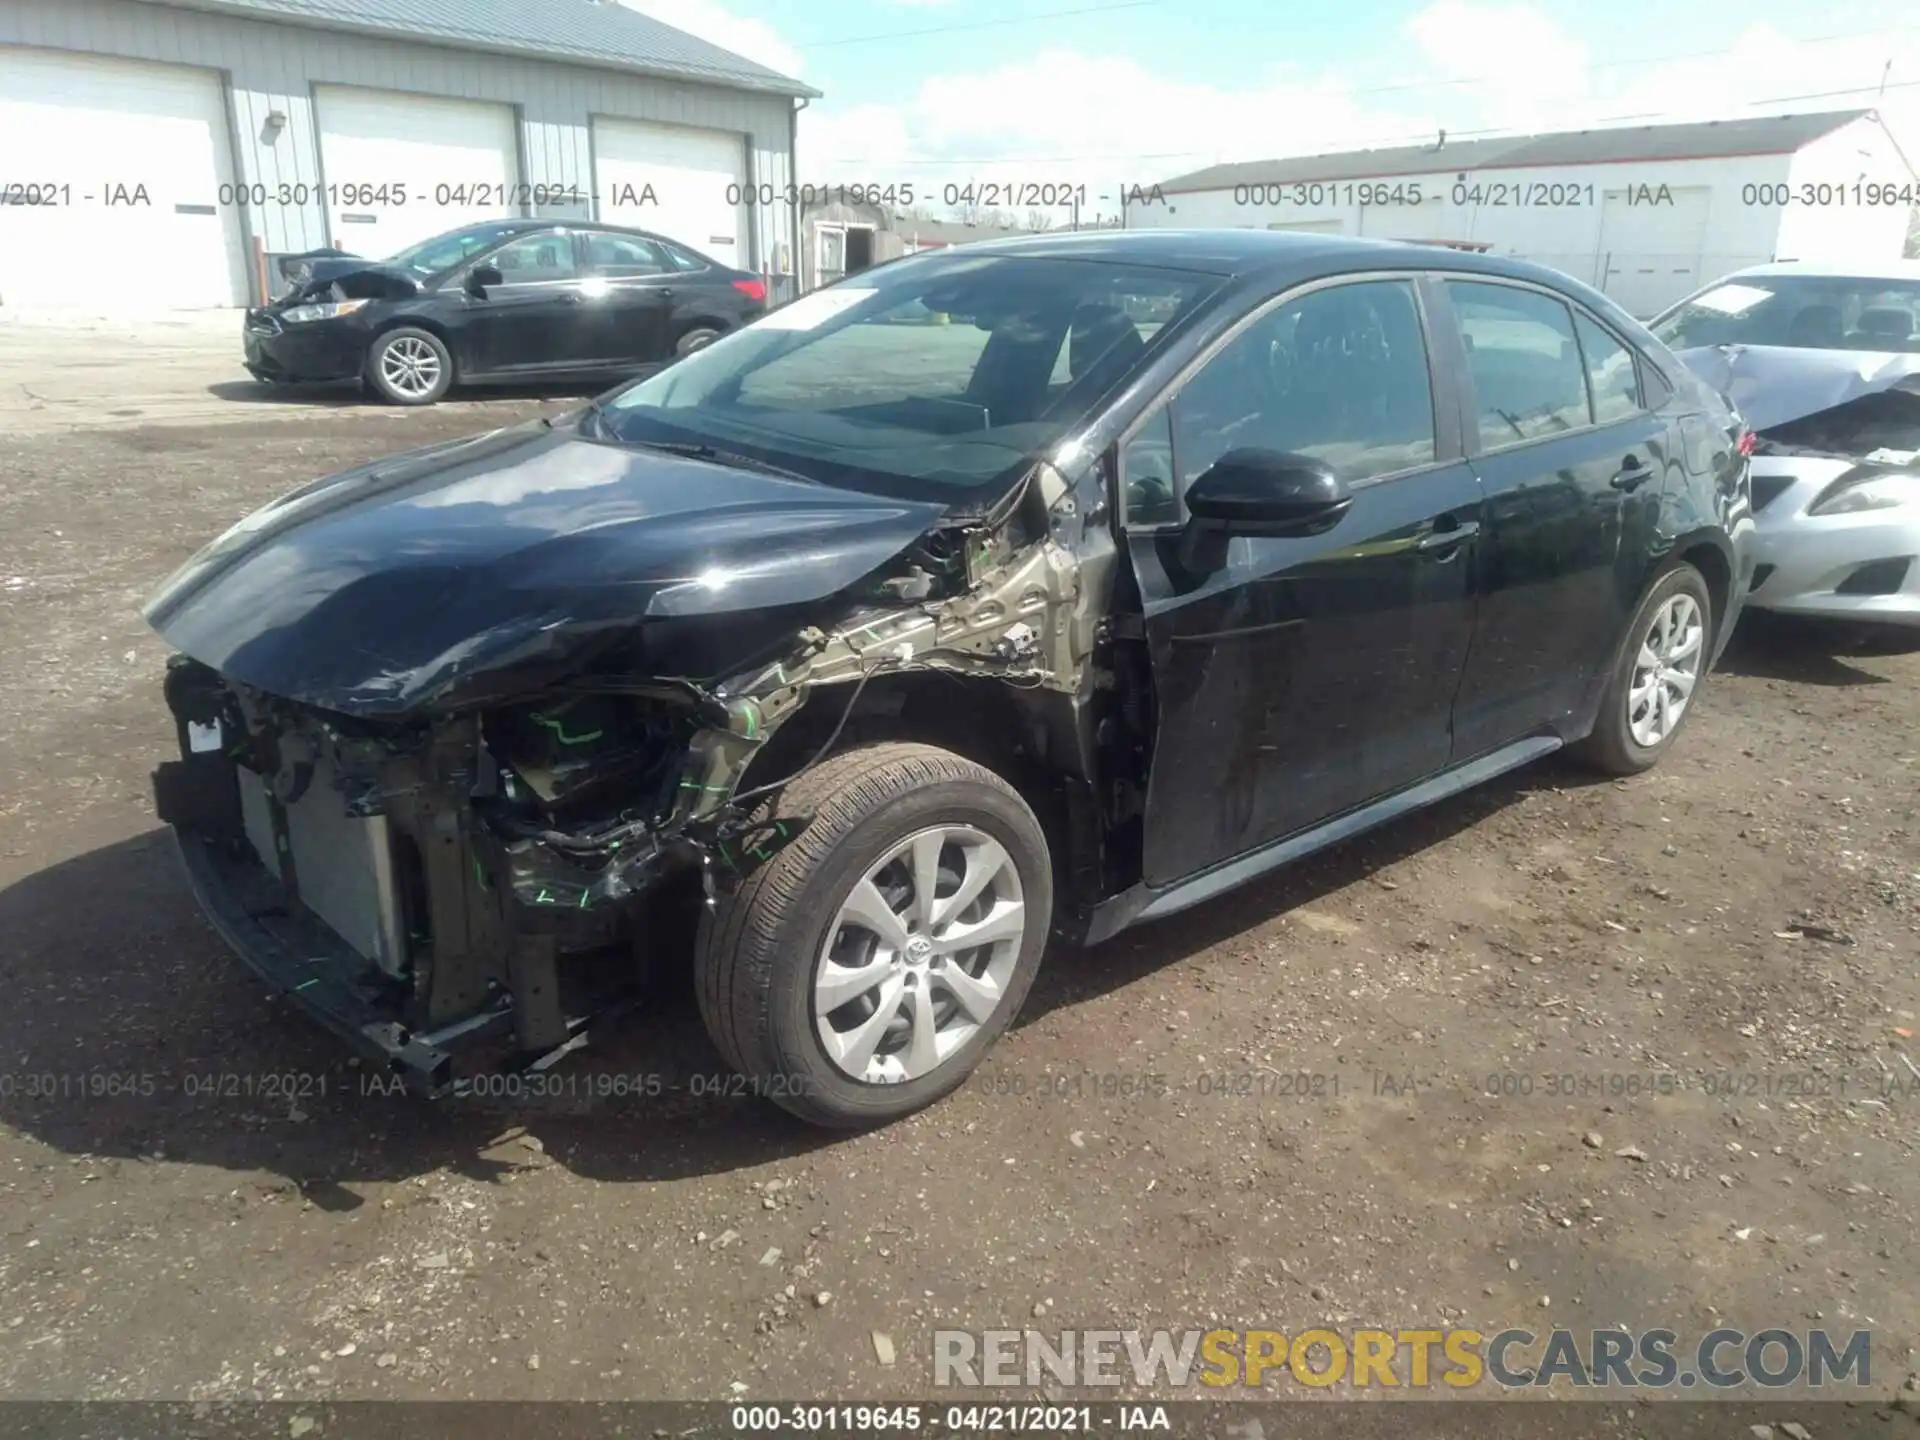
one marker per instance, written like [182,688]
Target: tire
[763,944]
[697,338]
[1614,748]
[385,368]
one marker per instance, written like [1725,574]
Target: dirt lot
[1130,1156]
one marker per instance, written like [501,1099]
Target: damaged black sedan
[1035,587]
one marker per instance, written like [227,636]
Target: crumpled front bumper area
[370,894]
[321,974]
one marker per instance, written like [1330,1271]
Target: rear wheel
[1656,676]
[696,339]
[861,972]
[408,366]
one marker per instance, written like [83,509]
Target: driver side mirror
[1257,492]
[480,277]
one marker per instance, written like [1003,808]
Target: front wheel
[696,339]
[861,972]
[409,367]
[1656,678]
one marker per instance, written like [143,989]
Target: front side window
[1339,374]
[1528,379]
[1611,375]
[935,376]
[536,259]
[443,252]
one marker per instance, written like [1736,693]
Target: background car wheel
[861,972]
[696,340]
[409,367]
[1657,676]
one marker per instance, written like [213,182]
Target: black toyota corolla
[1041,586]
[504,301]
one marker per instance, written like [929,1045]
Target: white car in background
[1825,367]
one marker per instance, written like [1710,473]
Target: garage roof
[1770,135]
[598,32]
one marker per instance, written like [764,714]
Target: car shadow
[1073,975]
[131,1033]
[1806,651]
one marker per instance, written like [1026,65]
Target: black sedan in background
[504,301]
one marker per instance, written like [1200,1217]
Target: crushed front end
[432,888]
[468,882]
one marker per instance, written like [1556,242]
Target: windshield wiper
[713,455]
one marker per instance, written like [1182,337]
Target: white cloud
[714,23]
[1063,116]
[1103,120]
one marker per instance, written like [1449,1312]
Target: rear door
[537,318]
[630,286]
[1570,459]
[1306,675]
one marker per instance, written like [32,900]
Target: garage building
[1646,214]
[166,154]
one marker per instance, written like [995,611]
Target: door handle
[1446,539]
[1632,474]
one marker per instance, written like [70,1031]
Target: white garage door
[1650,243]
[112,185]
[401,168]
[689,172]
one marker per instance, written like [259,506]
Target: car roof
[1275,253]
[1831,270]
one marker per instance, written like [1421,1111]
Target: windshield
[443,252]
[1804,312]
[935,377]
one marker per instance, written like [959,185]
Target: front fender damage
[1015,606]
[522,835]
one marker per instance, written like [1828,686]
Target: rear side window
[1339,374]
[1611,377]
[1528,378]
[624,256]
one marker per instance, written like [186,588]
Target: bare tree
[1040,220]
[1912,247]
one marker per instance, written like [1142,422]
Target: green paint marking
[305,983]
[559,729]
[583,899]
[543,898]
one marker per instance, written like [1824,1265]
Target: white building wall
[269,68]
[1559,216]
[1835,212]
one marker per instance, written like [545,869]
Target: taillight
[1745,443]
[752,289]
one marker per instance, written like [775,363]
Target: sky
[1112,93]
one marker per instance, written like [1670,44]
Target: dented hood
[420,579]
[1773,385]
[357,278]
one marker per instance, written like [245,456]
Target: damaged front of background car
[1823,368]
[458,728]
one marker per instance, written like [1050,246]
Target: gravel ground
[1131,1155]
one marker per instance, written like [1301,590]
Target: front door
[537,318]
[1305,676]
[1570,459]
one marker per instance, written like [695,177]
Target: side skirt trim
[1143,902]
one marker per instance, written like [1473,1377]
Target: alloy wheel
[1666,670]
[920,955]
[411,367]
